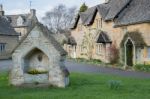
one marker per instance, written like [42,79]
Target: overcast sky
[42,6]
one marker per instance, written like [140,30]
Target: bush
[142,67]
[114,85]
[35,72]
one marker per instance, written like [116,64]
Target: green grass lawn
[83,86]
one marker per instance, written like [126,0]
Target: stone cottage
[21,22]
[39,60]
[8,39]
[124,24]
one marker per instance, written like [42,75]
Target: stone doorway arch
[129,46]
[36,60]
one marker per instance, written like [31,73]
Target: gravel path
[5,65]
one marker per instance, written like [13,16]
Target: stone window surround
[99,23]
[99,49]
[2,47]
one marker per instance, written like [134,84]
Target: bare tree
[59,18]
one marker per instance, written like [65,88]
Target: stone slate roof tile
[103,9]
[48,35]
[108,11]
[6,28]
[87,16]
[115,7]
[26,17]
[103,38]
[137,12]
[71,41]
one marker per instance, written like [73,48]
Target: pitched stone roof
[115,7]
[87,17]
[108,11]
[48,35]
[103,38]
[27,18]
[138,11]
[6,28]
[103,9]
[71,41]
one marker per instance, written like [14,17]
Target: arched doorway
[36,60]
[129,52]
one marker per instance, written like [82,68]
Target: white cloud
[41,12]
[17,11]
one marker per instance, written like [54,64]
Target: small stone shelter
[39,60]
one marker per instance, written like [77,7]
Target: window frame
[2,47]
[99,48]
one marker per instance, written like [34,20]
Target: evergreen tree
[83,7]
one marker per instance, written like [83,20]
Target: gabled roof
[26,17]
[48,35]
[6,28]
[103,9]
[87,17]
[108,11]
[103,38]
[71,41]
[137,12]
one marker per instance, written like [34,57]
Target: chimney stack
[33,12]
[1,10]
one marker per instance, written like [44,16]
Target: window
[99,48]
[2,47]
[99,23]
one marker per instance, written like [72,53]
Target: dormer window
[20,21]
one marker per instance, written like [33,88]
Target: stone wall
[37,41]
[115,34]
[11,42]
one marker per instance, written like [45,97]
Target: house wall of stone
[22,30]
[144,29]
[11,42]
[36,40]
[116,35]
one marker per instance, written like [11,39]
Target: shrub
[96,61]
[114,84]
[142,67]
[35,72]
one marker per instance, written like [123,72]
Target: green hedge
[142,67]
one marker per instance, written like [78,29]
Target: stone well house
[120,23]
[8,38]
[22,23]
[39,51]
